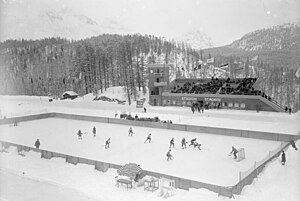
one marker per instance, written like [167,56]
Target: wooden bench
[124,181]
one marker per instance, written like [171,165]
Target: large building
[238,93]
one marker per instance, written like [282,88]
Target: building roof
[71,93]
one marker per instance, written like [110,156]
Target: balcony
[158,74]
[160,84]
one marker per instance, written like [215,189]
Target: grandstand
[219,93]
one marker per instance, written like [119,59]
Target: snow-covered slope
[281,37]
[197,39]
[34,20]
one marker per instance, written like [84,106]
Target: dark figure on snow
[79,135]
[286,109]
[145,110]
[136,117]
[283,158]
[94,131]
[234,151]
[183,143]
[130,132]
[193,109]
[37,143]
[290,110]
[107,142]
[148,138]
[198,145]
[293,144]
[169,155]
[172,143]
[193,141]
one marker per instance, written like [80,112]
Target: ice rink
[210,165]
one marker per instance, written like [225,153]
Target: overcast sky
[222,20]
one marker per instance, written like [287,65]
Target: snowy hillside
[22,19]
[281,37]
[197,39]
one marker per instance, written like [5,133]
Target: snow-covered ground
[248,120]
[60,135]
[55,179]
[277,182]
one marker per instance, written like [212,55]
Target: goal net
[241,154]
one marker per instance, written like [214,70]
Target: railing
[29,112]
[160,84]
[159,74]
[246,177]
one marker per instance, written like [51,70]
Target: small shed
[69,95]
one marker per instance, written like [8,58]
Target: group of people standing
[288,109]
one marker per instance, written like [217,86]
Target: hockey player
[94,131]
[172,143]
[234,151]
[79,135]
[193,141]
[107,142]
[283,158]
[183,143]
[293,145]
[37,143]
[148,138]
[130,132]
[169,155]
[198,145]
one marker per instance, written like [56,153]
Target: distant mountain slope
[282,37]
[20,20]
[278,46]
[197,39]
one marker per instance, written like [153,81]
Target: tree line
[51,66]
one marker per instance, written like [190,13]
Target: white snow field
[60,135]
[248,120]
[212,164]
[54,179]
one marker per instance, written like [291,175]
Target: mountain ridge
[278,46]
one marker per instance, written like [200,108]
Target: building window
[164,102]
[230,104]
[236,105]
[183,103]
[243,105]
[169,102]
[188,103]
[224,104]
[157,70]
[174,102]
[157,79]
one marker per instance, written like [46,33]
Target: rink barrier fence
[179,127]
[181,183]
[247,177]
